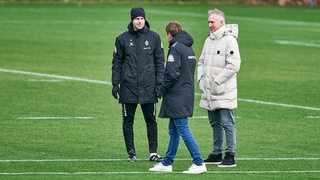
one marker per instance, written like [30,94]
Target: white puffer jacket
[218,66]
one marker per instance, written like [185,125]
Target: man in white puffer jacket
[218,66]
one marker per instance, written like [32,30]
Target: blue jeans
[179,127]
[223,123]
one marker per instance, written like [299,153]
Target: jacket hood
[183,37]
[228,29]
[145,28]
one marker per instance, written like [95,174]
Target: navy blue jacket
[138,65]
[178,82]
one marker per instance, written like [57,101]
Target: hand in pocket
[217,89]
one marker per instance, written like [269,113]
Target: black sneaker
[156,158]
[228,161]
[213,159]
[132,158]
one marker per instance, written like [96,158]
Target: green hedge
[170,1]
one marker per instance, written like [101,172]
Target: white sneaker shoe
[161,168]
[194,169]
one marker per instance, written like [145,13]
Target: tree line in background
[310,3]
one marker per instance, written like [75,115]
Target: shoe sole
[226,166]
[216,163]
[199,172]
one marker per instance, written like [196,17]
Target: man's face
[213,23]
[138,23]
[168,37]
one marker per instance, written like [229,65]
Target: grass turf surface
[82,136]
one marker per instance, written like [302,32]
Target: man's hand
[115,91]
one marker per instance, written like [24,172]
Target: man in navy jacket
[178,99]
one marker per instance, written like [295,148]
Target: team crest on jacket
[147,45]
[170,58]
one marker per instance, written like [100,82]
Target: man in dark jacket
[137,70]
[178,99]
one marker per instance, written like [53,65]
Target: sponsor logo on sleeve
[170,58]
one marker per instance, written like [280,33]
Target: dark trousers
[149,113]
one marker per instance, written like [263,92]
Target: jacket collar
[228,29]
[218,33]
[183,37]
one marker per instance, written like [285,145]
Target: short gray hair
[220,14]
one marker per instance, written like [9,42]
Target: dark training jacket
[138,65]
[178,82]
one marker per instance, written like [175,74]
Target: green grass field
[58,119]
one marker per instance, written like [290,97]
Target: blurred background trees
[310,3]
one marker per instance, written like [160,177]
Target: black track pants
[149,113]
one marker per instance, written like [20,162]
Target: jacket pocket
[217,89]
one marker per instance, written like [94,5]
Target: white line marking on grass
[45,80]
[63,160]
[199,117]
[109,83]
[54,76]
[49,118]
[206,117]
[145,172]
[264,172]
[297,43]
[274,104]
[279,159]
[125,160]
[279,104]
[82,22]
[312,117]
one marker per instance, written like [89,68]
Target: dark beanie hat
[136,12]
